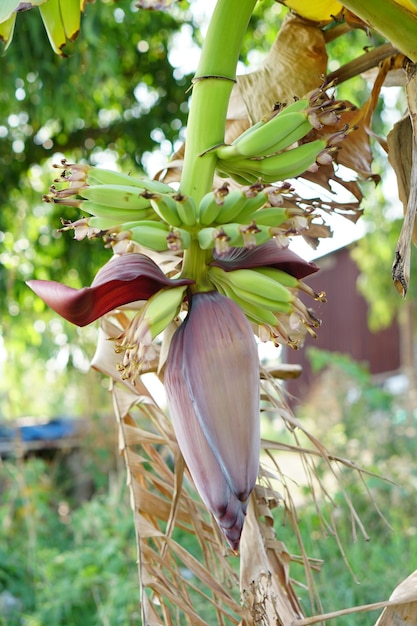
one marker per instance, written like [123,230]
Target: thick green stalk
[213,83]
[392,20]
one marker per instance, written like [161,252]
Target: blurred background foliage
[65,561]
[119,99]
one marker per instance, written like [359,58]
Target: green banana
[101,176]
[117,216]
[296,131]
[298,104]
[259,284]
[166,207]
[186,209]
[279,132]
[102,223]
[162,308]
[251,287]
[287,164]
[252,205]
[254,313]
[233,234]
[273,306]
[232,204]
[155,235]
[241,180]
[280,276]
[116,196]
[209,208]
[274,216]
[152,235]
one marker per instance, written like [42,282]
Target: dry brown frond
[201,587]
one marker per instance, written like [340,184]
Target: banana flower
[123,279]
[266,255]
[212,384]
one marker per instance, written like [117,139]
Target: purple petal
[202,463]
[221,368]
[121,280]
[267,254]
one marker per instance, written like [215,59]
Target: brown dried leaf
[264,573]
[356,152]
[294,66]
[407,182]
[400,143]
[173,582]
[404,614]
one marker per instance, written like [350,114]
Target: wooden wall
[344,323]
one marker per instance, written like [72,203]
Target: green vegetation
[66,564]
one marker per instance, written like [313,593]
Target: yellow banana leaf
[52,20]
[6,30]
[326,10]
[319,11]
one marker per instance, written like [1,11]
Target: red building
[344,323]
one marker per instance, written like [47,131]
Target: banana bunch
[266,294]
[152,213]
[268,151]
[61,19]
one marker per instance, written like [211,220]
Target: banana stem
[212,86]
[392,20]
[213,83]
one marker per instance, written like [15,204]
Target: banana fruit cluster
[156,216]
[149,212]
[268,297]
[269,151]
[160,218]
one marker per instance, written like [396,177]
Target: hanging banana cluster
[270,150]
[146,211]
[225,225]
[236,276]
[160,218]
[61,19]
[236,228]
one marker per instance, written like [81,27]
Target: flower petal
[124,279]
[202,463]
[267,254]
[221,367]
